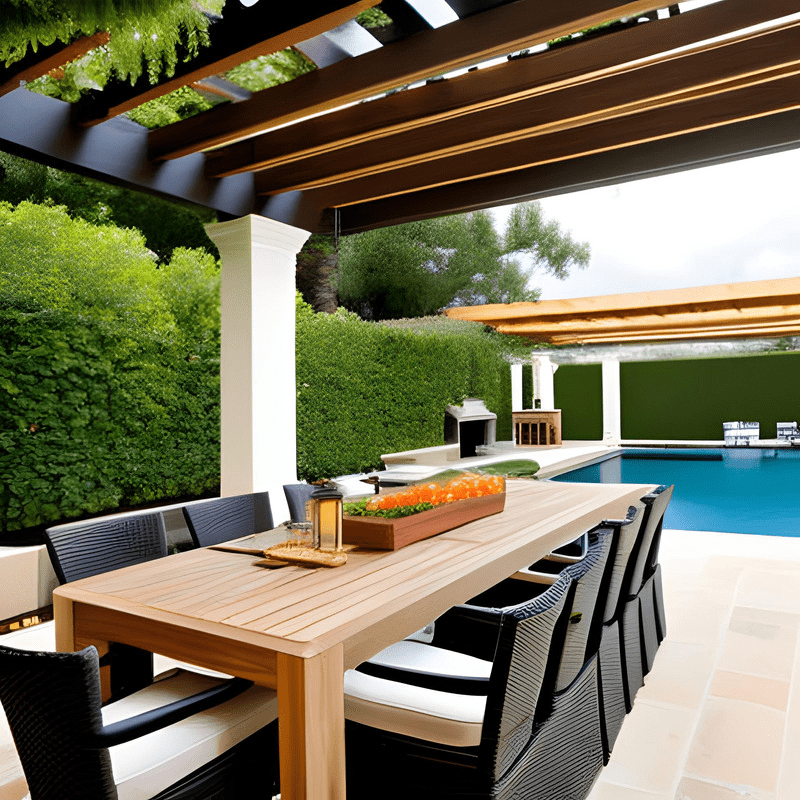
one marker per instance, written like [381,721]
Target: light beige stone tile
[651,749]
[16,789]
[789,784]
[680,674]
[758,642]
[737,743]
[696,616]
[691,789]
[612,791]
[721,572]
[768,616]
[752,688]
[777,588]
[683,573]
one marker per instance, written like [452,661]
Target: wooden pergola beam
[748,139]
[725,67]
[242,34]
[727,332]
[47,58]
[653,324]
[748,294]
[725,310]
[699,113]
[493,33]
[487,88]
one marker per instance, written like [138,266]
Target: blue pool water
[736,490]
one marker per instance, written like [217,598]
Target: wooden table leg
[122,669]
[311,726]
[65,624]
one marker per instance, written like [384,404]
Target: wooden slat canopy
[443,132]
[756,308]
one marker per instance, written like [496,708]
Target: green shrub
[164,224]
[364,389]
[109,376]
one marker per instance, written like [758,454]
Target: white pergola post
[258,386]
[612,405]
[517,401]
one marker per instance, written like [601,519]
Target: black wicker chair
[82,549]
[644,594]
[225,518]
[484,711]
[185,737]
[615,699]
[297,495]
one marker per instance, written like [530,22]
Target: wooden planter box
[379,533]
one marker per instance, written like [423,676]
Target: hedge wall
[690,399]
[109,376]
[579,395]
[527,386]
[364,389]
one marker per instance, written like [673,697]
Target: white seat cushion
[146,766]
[454,719]
[42,638]
[36,638]
[426,658]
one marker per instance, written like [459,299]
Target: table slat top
[377,595]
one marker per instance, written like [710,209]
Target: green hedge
[364,389]
[109,377]
[527,386]
[579,395]
[690,399]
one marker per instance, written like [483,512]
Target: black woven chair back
[655,505]
[52,702]
[628,532]
[523,635]
[592,577]
[225,518]
[83,549]
[297,495]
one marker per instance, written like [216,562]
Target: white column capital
[259,232]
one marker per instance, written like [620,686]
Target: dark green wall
[691,399]
[579,395]
[527,386]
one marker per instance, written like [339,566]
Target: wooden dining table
[297,629]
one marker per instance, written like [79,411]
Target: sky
[723,224]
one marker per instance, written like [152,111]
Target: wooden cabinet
[537,428]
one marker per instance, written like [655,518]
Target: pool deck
[719,715]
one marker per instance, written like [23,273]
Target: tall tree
[415,269]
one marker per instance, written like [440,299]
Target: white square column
[517,401]
[258,384]
[612,404]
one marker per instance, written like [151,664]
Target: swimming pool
[734,490]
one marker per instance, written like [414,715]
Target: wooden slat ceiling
[443,132]
[734,310]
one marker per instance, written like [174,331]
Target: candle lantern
[325,510]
